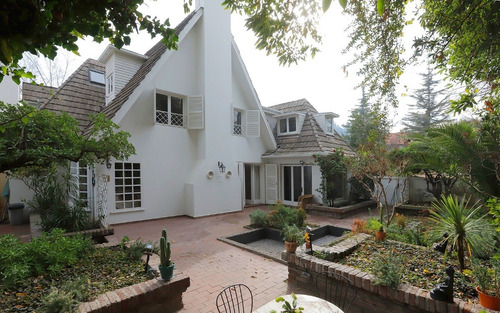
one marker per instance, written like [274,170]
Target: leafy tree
[467,151]
[42,27]
[38,138]
[375,162]
[366,123]
[48,72]
[330,166]
[427,111]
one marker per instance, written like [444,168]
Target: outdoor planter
[380,235]
[166,272]
[291,246]
[489,302]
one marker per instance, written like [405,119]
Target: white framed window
[96,77]
[287,125]
[238,122]
[329,125]
[127,185]
[110,84]
[169,110]
[81,175]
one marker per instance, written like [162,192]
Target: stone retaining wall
[302,268]
[341,212]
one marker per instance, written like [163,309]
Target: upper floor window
[110,87]
[237,122]
[169,110]
[288,125]
[96,77]
[329,125]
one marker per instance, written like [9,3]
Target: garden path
[212,264]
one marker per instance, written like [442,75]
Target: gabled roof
[77,95]
[311,140]
[153,55]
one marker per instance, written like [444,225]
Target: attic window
[329,125]
[287,125]
[96,77]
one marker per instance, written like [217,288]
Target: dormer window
[110,84]
[96,77]
[288,125]
[329,124]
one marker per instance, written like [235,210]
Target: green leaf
[24,120]
[343,3]
[380,7]
[326,5]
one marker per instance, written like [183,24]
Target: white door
[271,183]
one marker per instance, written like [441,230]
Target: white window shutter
[253,123]
[196,113]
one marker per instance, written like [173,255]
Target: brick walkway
[211,264]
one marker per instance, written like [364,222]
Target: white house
[204,143]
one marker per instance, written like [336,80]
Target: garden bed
[105,269]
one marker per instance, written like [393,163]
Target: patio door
[252,184]
[297,180]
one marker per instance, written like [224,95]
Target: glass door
[297,180]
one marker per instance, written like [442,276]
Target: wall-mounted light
[301,162]
[108,164]
[222,168]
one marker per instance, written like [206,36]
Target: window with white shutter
[252,123]
[196,113]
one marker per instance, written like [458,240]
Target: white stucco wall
[175,161]
[9,91]
[394,187]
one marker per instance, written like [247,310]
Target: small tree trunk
[461,252]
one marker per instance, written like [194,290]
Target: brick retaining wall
[370,297]
[341,212]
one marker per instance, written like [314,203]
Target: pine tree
[427,111]
[365,124]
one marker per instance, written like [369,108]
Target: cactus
[164,250]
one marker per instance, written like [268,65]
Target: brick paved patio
[211,264]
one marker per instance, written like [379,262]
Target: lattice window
[127,185]
[169,110]
[80,173]
[237,123]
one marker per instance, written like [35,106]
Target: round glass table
[309,303]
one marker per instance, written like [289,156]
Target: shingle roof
[37,95]
[301,105]
[312,139]
[153,55]
[78,96]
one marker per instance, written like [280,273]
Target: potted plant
[287,307]
[488,280]
[166,266]
[380,234]
[293,236]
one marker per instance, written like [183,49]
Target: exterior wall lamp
[301,162]
[221,166]
[108,164]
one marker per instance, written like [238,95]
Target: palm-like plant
[468,231]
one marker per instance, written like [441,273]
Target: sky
[320,80]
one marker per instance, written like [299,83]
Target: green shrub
[48,253]
[65,299]
[387,269]
[135,251]
[281,216]
[414,233]
[258,218]
[292,233]
[373,225]
[358,191]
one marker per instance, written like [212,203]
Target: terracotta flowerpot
[380,235]
[308,245]
[489,302]
[291,246]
